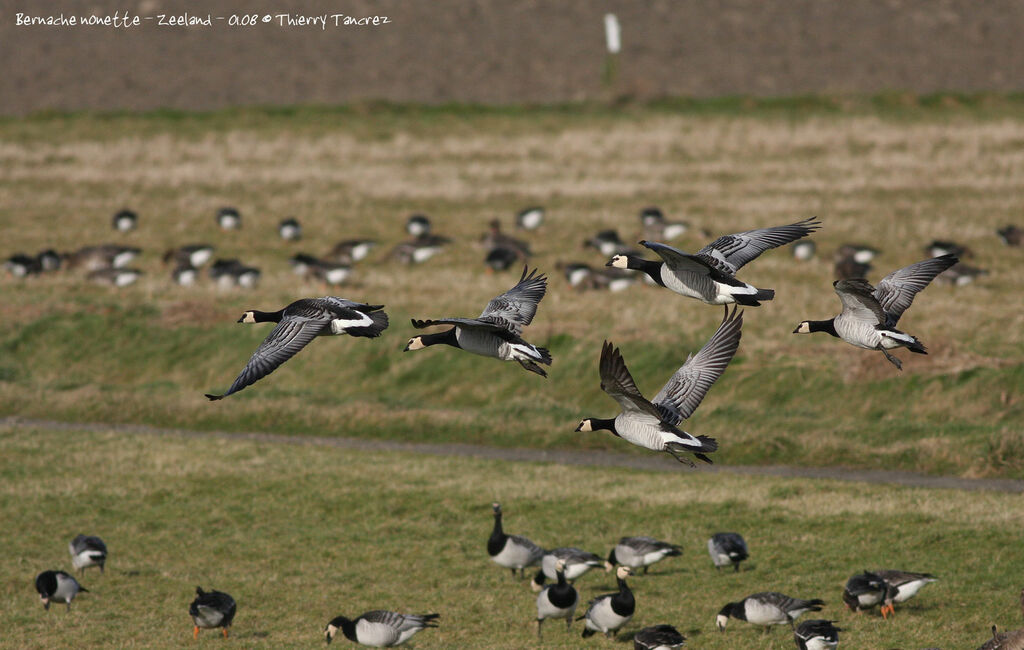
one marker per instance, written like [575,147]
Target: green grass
[892,170]
[299,534]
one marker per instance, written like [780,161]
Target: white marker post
[613,39]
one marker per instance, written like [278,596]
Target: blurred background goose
[641,552]
[726,549]
[530,218]
[229,218]
[290,229]
[87,551]
[558,600]
[658,637]
[210,610]
[125,220]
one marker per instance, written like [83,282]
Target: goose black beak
[241,320]
[406,348]
[797,330]
[579,427]
[608,263]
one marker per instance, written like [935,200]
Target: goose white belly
[208,617]
[90,557]
[908,590]
[547,609]
[819,643]
[856,332]
[67,589]
[602,618]
[514,556]
[378,635]
[764,613]
[645,431]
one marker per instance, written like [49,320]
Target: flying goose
[709,275]
[608,613]
[641,551]
[865,590]
[497,332]
[767,608]
[726,549]
[653,425]
[904,585]
[418,225]
[57,587]
[87,551]
[125,220]
[558,600]
[290,229]
[380,628]
[816,634]
[655,227]
[211,609]
[870,314]
[297,325]
[576,562]
[658,637]
[511,551]
[530,218]
[228,218]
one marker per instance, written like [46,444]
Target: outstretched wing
[738,249]
[498,326]
[283,342]
[518,305]
[685,390]
[857,296]
[897,290]
[619,384]
[677,260]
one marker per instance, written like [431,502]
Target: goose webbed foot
[893,360]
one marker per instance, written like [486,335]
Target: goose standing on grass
[511,551]
[418,225]
[709,275]
[658,637]
[104,256]
[231,273]
[816,634]
[419,249]
[530,218]
[608,613]
[870,314]
[904,585]
[641,552]
[864,591]
[655,226]
[212,609]
[726,549]
[1012,640]
[290,229]
[380,628]
[767,608]
[57,587]
[653,425]
[576,562]
[497,332]
[558,600]
[115,277]
[228,218]
[350,251]
[297,325]
[125,220]
[87,551]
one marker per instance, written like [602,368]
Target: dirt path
[652,463]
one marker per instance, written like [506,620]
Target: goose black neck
[267,316]
[348,628]
[735,610]
[497,540]
[441,338]
[649,267]
[623,602]
[562,594]
[827,326]
[597,424]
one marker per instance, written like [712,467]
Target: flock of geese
[868,320]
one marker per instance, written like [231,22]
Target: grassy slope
[300,534]
[890,175]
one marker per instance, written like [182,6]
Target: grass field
[298,534]
[894,172]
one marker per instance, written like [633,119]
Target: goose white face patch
[619,262]
[415,343]
[803,328]
[584,426]
[248,317]
[721,620]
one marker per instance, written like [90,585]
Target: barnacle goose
[608,613]
[57,587]
[816,634]
[641,552]
[380,628]
[212,609]
[767,608]
[904,585]
[497,332]
[87,551]
[870,314]
[709,275]
[511,551]
[658,637]
[558,600]
[653,424]
[576,563]
[726,549]
[297,325]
